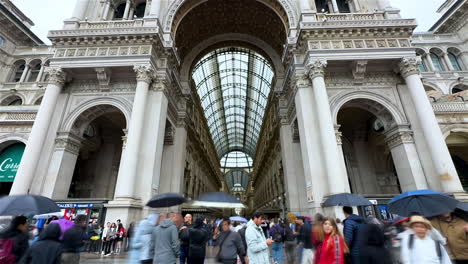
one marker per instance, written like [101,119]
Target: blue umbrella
[27,205]
[425,202]
[166,200]
[239,219]
[463,207]
[346,199]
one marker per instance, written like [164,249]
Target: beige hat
[419,219]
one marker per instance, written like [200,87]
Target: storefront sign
[74,205]
[9,162]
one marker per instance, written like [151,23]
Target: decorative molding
[113,51]
[359,70]
[399,135]
[68,142]
[144,73]
[56,76]
[103,76]
[316,68]
[295,132]
[409,66]
[364,43]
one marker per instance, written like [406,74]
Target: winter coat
[165,245]
[305,235]
[289,234]
[47,250]
[352,233]
[197,238]
[183,235]
[332,250]
[73,239]
[232,245]
[20,240]
[277,233]
[241,232]
[257,248]
[373,249]
[457,237]
[140,244]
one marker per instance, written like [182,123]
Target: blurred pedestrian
[73,241]
[420,248]
[455,229]
[121,233]
[183,238]
[14,240]
[110,239]
[140,251]
[277,232]
[257,244]
[47,250]
[244,258]
[372,249]
[289,244]
[352,232]
[229,243]
[165,245]
[318,235]
[333,246]
[197,237]
[300,221]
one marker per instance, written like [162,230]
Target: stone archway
[457,143]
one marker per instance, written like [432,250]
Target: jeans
[290,250]
[277,252]
[300,248]
[183,254]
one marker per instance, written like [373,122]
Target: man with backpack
[14,241]
[420,248]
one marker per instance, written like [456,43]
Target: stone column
[335,6]
[130,15]
[25,73]
[405,158]
[33,150]
[127,173]
[337,177]
[105,13]
[155,8]
[430,127]
[448,62]
[429,63]
[127,9]
[41,72]
[80,9]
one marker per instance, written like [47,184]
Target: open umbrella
[218,200]
[239,219]
[166,200]
[49,215]
[346,199]
[27,205]
[425,202]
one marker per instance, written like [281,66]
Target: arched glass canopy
[233,85]
[234,177]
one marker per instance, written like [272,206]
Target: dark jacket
[277,233]
[242,235]
[352,230]
[183,235]
[305,235]
[373,249]
[20,240]
[232,245]
[197,238]
[289,234]
[47,250]
[73,239]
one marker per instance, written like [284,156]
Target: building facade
[280,102]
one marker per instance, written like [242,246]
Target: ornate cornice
[409,66]
[144,73]
[56,75]
[316,68]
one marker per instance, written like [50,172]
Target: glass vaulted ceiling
[233,85]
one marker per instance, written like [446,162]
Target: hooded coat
[373,249]
[352,230]
[20,240]
[257,248]
[197,237]
[140,245]
[165,245]
[47,250]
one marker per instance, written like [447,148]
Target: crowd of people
[170,238]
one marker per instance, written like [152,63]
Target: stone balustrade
[18,114]
[450,107]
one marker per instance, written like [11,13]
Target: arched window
[38,101]
[2,41]
[18,69]
[437,62]
[35,69]
[140,10]
[12,100]
[422,67]
[119,11]
[454,61]
[459,88]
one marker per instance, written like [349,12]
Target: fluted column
[333,160]
[127,173]
[80,9]
[33,150]
[438,150]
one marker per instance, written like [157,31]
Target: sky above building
[49,14]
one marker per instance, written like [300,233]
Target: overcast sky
[49,14]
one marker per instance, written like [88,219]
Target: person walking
[420,248]
[48,250]
[244,258]
[300,221]
[352,231]
[140,243]
[198,238]
[257,244]
[183,238]
[229,243]
[14,240]
[165,245]
[289,244]
[277,232]
[318,236]
[372,249]
[73,241]
[455,229]
[333,246]
[306,243]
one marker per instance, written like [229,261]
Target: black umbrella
[218,200]
[166,200]
[27,205]
[346,199]
[463,207]
[427,203]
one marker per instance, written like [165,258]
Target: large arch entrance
[457,143]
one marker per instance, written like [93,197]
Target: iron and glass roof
[234,85]
[234,177]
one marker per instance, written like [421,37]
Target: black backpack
[437,243]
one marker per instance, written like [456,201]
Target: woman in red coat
[318,236]
[333,246]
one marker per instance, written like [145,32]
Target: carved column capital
[338,134]
[398,135]
[144,73]
[302,81]
[316,68]
[68,142]
[409,66]
[56,75]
